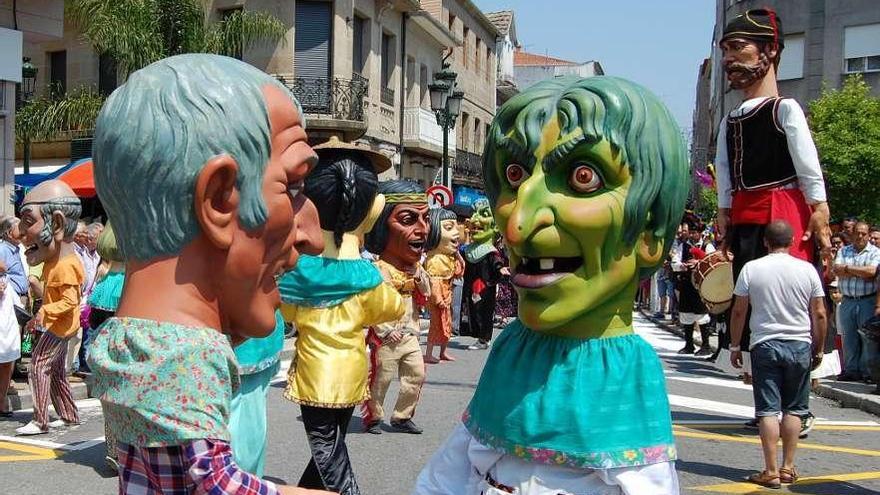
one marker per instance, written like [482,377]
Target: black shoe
[876,390]
[406,426]
[704,351]
[686,350]
[807,422]
[752,424]
[848,377]
[374,428]
[868,380]
[5,414]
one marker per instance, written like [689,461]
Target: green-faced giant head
[483,228]
[588,178]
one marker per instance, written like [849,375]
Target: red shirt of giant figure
[230,270]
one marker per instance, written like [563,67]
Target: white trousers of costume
[460,467]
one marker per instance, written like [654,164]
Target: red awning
[81,178]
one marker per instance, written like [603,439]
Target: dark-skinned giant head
[401,231]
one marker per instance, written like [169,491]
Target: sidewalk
[19,394]
[848,394]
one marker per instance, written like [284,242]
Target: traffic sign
[439,196]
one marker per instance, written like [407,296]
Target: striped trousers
[49,381]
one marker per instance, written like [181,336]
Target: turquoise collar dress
[594,403]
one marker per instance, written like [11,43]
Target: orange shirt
[62,282]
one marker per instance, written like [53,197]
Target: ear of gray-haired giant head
[155,133]
[435,219]
[377,239]
[343,187]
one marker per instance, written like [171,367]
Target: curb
[855,400]
[849,399]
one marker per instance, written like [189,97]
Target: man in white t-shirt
[788,324]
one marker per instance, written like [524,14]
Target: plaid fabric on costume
[199,467]
[857,286]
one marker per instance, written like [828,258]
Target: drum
[713,279]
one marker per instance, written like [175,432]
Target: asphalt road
[841,456]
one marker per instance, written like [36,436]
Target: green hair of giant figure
[637,125]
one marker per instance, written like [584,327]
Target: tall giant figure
[588,179]
[200,161]
[767,165]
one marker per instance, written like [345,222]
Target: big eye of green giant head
[584,179]
[516,174]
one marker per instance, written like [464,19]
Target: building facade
[474,61]
[21,23]
[360,69]
[530,68]
[506,45]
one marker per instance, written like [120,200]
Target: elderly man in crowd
[86,247]
[12,256]
[856,268]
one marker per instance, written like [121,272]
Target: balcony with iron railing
[331,104]
[467,168]
[387,96]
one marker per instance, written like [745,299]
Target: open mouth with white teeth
[417,245]
[31,249]
[534,273]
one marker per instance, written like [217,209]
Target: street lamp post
[446,104]
[28,82]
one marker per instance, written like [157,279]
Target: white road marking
[82,405]
[30,441]
[819,422]
[706,380]
[724,408]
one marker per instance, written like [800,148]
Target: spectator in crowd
[838,240]
[874,236]
[86,246]
[848,227]
[856,269]
[10,338]
[692,311]
[788,324]
[12,257]
[666,288]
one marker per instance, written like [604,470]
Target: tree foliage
[846,127]
[137,33]
[48,116]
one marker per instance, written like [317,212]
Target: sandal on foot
[765,479]
[788,476]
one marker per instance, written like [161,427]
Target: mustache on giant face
[742,75]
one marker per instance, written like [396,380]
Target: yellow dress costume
[442,268]
[331,301]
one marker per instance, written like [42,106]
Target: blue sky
[656,43]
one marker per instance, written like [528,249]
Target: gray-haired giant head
[157,131]
[206,156]
[49,215]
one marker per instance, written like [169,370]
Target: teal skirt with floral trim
[596,403]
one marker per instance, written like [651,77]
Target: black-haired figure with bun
[331,298]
